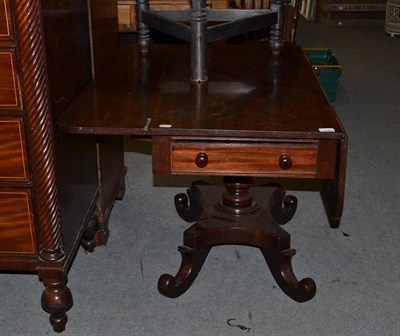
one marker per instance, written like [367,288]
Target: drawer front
[13,159]
[17,233]
[5,24]
[9,90]
[267,159]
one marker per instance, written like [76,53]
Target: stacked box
[355,13]
[327,69]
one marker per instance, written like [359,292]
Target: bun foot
[58,323]
[192,261]
[56,300]
[88,241]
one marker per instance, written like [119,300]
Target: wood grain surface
[13,160]
[8,80]
[17,234]
[5,30]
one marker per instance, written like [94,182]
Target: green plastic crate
[327,69]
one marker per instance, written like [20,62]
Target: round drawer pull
[201,160]
[285,162]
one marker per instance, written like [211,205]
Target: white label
[326,130]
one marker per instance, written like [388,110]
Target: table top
[250,93]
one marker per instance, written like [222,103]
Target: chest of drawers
[54,189]
[17,230]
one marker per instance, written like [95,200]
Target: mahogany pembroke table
[247,110]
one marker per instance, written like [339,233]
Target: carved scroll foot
[189,207]
[192,261]
[281,268]
[57,300]
[238,217]
[282,207]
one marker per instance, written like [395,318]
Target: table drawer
[5,22]
[250,158]
[13,159]
[9,89]
[17,233]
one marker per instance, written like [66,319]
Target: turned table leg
[241,217]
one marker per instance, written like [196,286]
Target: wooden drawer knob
[202,160]
[285,162]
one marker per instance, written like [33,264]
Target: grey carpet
[356,267]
